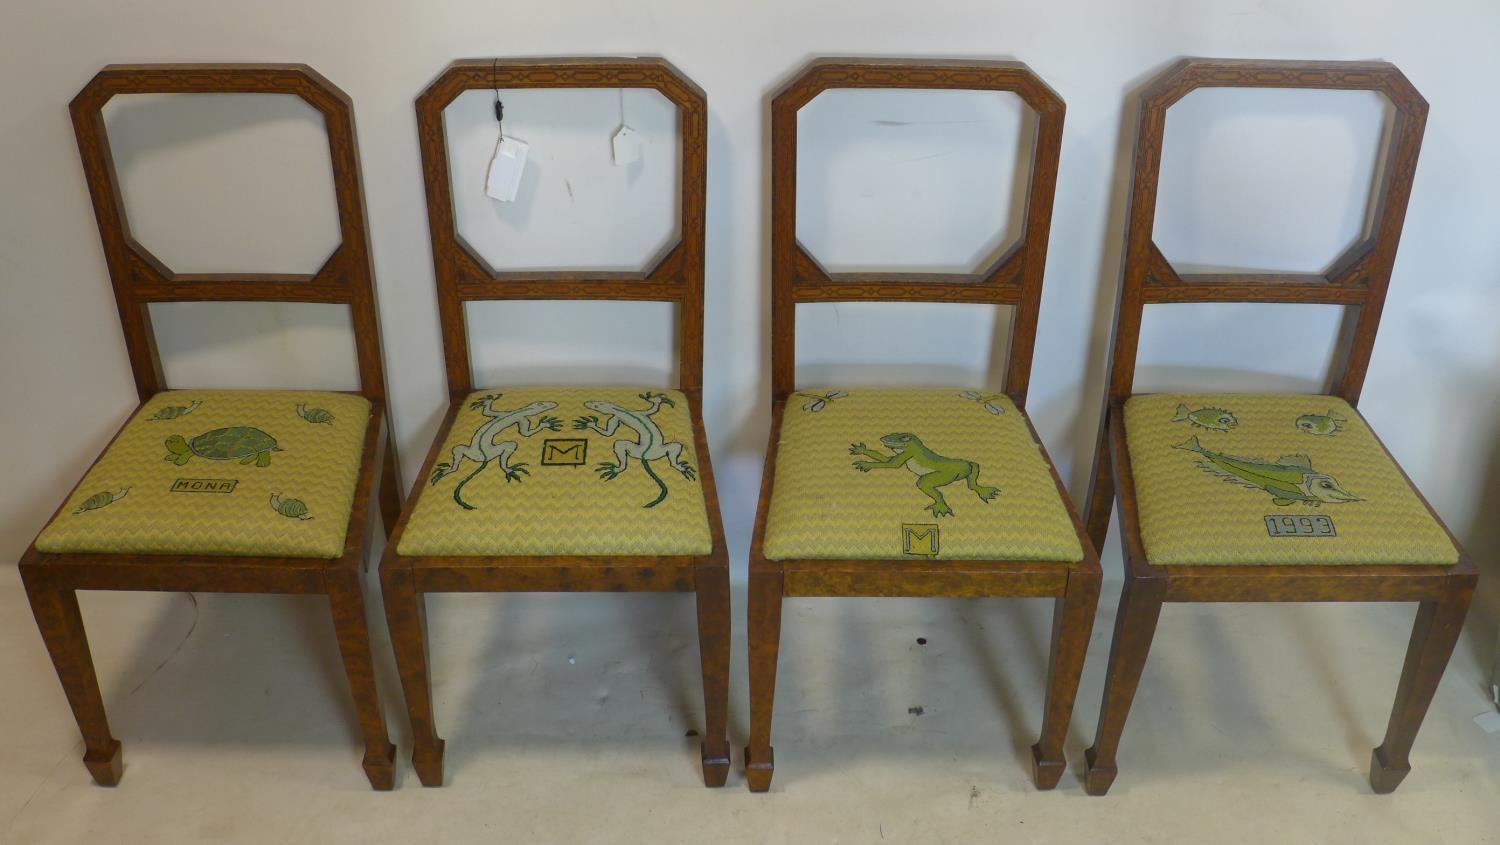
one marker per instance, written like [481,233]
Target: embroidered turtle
[240,442]
[314,415]
[295,508]
[172,412]
[100,499]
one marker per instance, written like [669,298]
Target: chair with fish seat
[1274,497]
[238,491]
[985,514]
[563,489]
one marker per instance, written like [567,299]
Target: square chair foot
[1045,773]
[1384,778]
[429,764]
[1097,779]
[382,770]
[715,769]
[107,767]
[758,772]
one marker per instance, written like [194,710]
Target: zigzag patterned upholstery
[559,471]
[1271,479]
[221,472]
[965,452]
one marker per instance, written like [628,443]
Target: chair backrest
[464,276]
[1358,279]
[1014,279]
[140,278]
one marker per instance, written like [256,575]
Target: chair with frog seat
[239,491]
[563,489]
[1268,497]
[985,514]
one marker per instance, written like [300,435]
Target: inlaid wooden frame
[1358,280]
[139,279]
[463,277]
[1014,279]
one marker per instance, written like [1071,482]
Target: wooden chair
[541,521]
[824,530]
[1353,529]
[138,522]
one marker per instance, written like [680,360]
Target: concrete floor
[566,720]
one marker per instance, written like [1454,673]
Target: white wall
[941,171]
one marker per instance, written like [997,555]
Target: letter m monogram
[919,539]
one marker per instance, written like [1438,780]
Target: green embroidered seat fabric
[564,471]
[221,472]
[898,473]
[1271,479]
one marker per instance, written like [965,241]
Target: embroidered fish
[820,401]
[1290,480]
[1323,425]
[1214,419]
[990,402]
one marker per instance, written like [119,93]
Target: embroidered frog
[483,449]
[650,444]
[933,470]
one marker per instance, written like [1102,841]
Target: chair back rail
[1357,280]
[463,276]
[1014,279]
[140,278]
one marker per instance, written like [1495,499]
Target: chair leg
[764,613]
[1101,492]
[61,624]
[1433,637]
[1072,626]
[712,586]
[347,601]
[406,615]
[1135,625]
[390,486]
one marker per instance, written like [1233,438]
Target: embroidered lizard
[483,449]
[933,470]
[649,444]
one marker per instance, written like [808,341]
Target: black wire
[494,83]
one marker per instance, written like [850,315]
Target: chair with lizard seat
[1268,497]
[242,491]
[563,489]
[840,513]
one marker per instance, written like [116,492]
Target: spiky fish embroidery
[1290,480]
[1323,425]
[1213,419]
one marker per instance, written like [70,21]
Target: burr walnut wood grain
[139,279]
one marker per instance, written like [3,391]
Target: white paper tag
[626,145]
[505,169]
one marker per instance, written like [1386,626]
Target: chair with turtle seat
[242,491]
[840,513]
[1268,497]
[563,489]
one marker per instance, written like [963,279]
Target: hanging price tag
[505,169]
[626,145]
